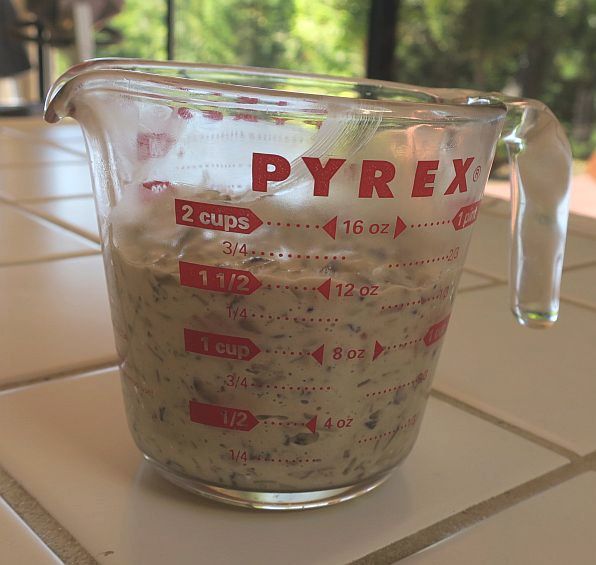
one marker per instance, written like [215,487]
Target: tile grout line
[23,135]
[62,224]
[570,268]
[57,375]
[58,257]
[45,221]
[570,229]
[479,286]
[26,164]
[579,266]
[51,532]
[508,426]
[443,529]
[578,303]
[43,199]
[479,273]
[578,232]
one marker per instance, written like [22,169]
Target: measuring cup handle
[540,159]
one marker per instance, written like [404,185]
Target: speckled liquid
[322,423]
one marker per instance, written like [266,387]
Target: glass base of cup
[269,500]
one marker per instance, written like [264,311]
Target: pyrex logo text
[375,175]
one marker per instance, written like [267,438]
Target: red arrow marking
[221,416]
[312,425]
[218,345]
[325,288]
[378,350]
[216,217]
[318,353]
[400,226]
[218,279]
[331,227]
[436,332]
[466,216]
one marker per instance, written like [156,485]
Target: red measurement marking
[359,226]
[430,224]
[286,461]
[436,331]
[287,352]
[296,319]
[292,387]
[185,113]
[325,288]
[444,293]
[433,334]
[403,344]
[350,289]
[237,381]
[218,345]
[297,256]
[318,354]
[411,421]
[313,123]
[451,256]
[218,279]
[421,377]
[290,225]
[290,287]
[282,423]
[153,145]
[343,289]
[400,227]
[247,100]
[246,117]
[216,217]
[466,216]
[157,185]
[378,350]
[221,416]
[311,424]
[331,227]
[213,114]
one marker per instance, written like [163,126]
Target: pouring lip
[468,104]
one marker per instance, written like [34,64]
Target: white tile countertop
[503,470]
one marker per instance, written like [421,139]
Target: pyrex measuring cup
[282,253]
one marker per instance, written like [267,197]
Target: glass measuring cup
[282,253]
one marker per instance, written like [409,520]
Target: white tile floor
[44,181]
[66,440]
[76,214]
[59,318]
[489,249]
[26,238]
[580,285]
[470,281]
[506,370]
[552,528]
[68,136]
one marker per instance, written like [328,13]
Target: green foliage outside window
[544,49]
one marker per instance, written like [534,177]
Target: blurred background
[544,49]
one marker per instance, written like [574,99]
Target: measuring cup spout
[540,159]
[60,99]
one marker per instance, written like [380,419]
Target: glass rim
[158,80]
